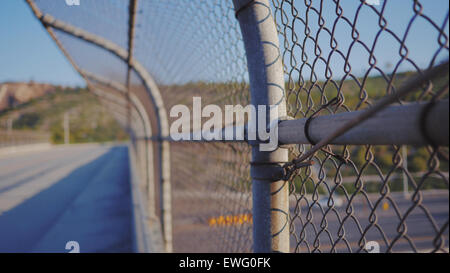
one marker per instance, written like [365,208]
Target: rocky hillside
[40,108]
[13,94]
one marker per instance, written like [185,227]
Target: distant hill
[13,94]
[35,107]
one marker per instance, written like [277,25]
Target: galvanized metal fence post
[270,194]
[166,194]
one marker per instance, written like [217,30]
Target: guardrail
[20,138]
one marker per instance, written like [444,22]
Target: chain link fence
[337,57]
[337,50]
[19,138]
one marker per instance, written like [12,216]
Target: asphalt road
[422,224]
[71,193]
[192,233]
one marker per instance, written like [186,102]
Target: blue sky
[421,39]
[26,50]
[28,53]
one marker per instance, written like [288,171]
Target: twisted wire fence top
[350,52]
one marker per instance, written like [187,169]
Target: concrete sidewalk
[79,193]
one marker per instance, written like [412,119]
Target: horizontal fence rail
[401,125]
[396,125]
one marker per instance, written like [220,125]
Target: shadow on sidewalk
[92,205]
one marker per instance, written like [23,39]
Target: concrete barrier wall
[147,230]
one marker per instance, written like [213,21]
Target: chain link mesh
[212,197]
[356,52]
[200,53]
[350,51]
